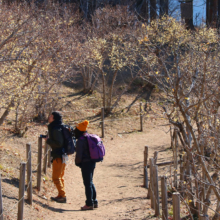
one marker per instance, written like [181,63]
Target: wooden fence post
[1,203]
[155,157]
[176,206]
[141,117]
[49,157]
[171,137]
[164,197]
[21,191]
[145,167]
[182,170]
[29,174]
[175,154]
[45,158]
[102,118]
[156,191]
[171,179]
[39,163]
[151,188]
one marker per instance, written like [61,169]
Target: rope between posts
[6,211]
[28,185]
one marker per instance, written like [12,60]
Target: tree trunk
[218,22]
[212,12]
[143,5]
[6,112]
[207,12]
[189,20]
[153,10]
[163,7]
[109,102]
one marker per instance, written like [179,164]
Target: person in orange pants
[56,141]
[58,177]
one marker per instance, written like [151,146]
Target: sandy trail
[118,179]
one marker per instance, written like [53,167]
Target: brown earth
[118,179]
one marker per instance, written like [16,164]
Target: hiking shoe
[85,207]
[54,198]
[96,206]
[59,199]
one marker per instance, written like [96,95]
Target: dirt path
[118,180]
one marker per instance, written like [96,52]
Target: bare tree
[185,66]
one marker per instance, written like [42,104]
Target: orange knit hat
[82,126]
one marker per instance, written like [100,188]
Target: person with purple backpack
[87,165]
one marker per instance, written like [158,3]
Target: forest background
[112,50]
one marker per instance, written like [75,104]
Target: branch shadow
[9,197]
[60,210]
[125,199]
[13,181]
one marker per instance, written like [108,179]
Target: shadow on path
[60,210]
[123,199]
[13,181]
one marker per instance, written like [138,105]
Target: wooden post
[102,118]
[171,179]
[141,117]
[151,188]
[181,177]
[156,191]
[49,157]
[175,154]
[21,191]
[39,162]
[171,137]
[1,203]
[164,197]
[176,206]
[145,167]
[45,158]
[155,157]
[204,178]
[29,174]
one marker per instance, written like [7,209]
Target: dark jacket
[55,139]
[82,151]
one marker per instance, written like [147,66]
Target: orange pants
[58,176]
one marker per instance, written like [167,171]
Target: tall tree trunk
[163,7]
[144,10]
[189,20]
[212,12]
[215,13]
[218,22]
[153,9]
[208,12]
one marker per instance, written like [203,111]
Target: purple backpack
[96,147]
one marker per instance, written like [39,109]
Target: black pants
[87,175]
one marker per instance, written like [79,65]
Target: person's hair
[57,116]
[78,133]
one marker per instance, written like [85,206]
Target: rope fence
[179,186]
[177,181]
[28,189]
